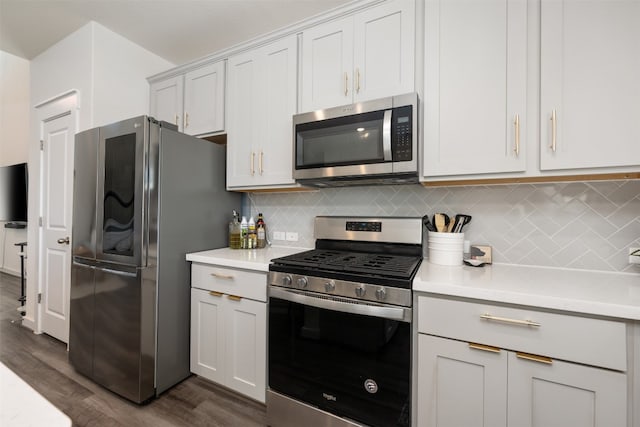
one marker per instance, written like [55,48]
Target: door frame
[66,103]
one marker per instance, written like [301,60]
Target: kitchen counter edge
[588,292]
[247,259]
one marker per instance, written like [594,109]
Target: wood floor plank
[42,361]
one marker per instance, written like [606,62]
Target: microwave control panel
[402,134]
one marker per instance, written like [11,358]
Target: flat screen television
[13,193]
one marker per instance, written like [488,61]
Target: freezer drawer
[120,361]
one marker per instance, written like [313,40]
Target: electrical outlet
[634,255]
[278,235]
[292,236]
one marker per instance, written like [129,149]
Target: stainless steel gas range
[340,325]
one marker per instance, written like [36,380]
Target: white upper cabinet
[262,101]
[166,100]
[590,85]
[204,99]
[360,57]
[475,87]
[194,101]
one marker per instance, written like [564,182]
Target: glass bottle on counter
[252,237]
[244,233]
[234,232]
[261,232]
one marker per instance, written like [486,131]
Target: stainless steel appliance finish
[144,196]
[373,142]
[340,325]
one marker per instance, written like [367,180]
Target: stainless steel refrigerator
[144,196]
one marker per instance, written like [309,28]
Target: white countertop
[248,259]
[581,291]
[21,405]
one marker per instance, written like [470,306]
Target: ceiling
[177,30]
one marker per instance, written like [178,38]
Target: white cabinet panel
[207,335]
[475,87]
[204,99]
[262,101]
[246,348]
[590,63]
[166,100]
[193,101]
[474,372]
[327,61]
[229,332]
[459,385]
[562,394]
[365,56]
[384,42]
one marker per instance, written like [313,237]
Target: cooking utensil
[460,221]
[439,220]
[427,224]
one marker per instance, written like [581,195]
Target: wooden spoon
[439,222]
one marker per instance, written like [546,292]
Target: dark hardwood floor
[42,362]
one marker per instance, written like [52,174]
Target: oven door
[341,356]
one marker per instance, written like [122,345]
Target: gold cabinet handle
[483,347]
[252,157]
[346,84]
[534,358]
[223,276]
[215,293]
[553,131]
[260,159]
[487,316]
[186,119]
[516,123]
[357,80]
[234,297]
[177,118]
[64,241]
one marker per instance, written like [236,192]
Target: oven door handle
[392,313]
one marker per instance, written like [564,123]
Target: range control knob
[330,286]
[360,291]
[302,282]
[286,281]
[381,294]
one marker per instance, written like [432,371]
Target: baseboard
[30,323]
[9,271]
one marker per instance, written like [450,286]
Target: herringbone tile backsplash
[585,225]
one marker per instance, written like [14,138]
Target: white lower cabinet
[492,383]
[228,333]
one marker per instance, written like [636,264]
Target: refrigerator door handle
[117,272]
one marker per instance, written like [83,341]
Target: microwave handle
[386,135]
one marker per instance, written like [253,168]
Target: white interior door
[57,135]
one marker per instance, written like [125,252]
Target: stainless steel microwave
[365,143]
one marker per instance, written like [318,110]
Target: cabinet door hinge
[39,298]
[41,145]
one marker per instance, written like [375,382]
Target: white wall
[120,70]
[14,138]
[14,109]
[108,73]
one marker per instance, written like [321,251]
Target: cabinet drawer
[242,283]
[585,340]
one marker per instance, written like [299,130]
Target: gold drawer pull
[488,316]
[222,276]
[484,347]
[234,297]
[215,294]
[534,358]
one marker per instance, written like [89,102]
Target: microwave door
[121,181]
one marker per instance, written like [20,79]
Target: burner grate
[354,262]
